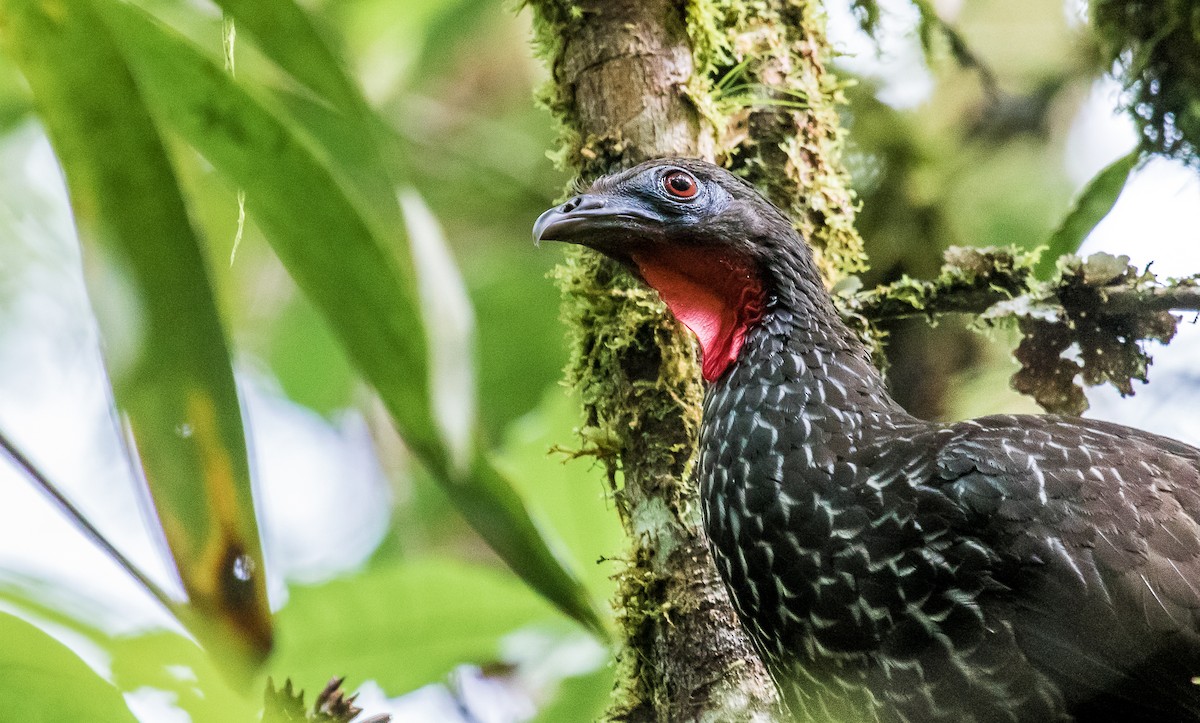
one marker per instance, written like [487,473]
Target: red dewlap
[715,293]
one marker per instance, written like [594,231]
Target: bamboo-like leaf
[45,681]
[571,494]
[446,308]
[1093,204]
[166,661]
[341,117]
[287,35]
[165,348]
[345,260]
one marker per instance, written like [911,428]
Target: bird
[887,568]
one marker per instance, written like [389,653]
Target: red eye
[680,184]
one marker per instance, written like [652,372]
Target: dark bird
[1007,568]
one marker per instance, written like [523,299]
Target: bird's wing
[1097,529]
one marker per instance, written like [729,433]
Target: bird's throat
[714,293]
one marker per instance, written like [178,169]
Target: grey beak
[557,223]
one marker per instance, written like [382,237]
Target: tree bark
[740,84]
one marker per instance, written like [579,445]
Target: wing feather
[1098,528]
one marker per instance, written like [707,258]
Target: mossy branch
[1091,320]
[621,73]
[937,299]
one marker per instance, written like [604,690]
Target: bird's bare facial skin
[677,225]
[645,206]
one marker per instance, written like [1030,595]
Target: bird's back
[1098,526]
[1007,568]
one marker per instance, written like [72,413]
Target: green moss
[1155,46]
[632,363]
[775,109]
[554,20]
[639,591]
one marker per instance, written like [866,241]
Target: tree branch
[1090,322]
[974,281]
[877,305]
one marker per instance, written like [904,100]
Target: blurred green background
[374,572]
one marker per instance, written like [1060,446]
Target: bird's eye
[680,184]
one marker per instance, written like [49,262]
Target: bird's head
[703,238]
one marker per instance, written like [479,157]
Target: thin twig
[228,43]
[89,530]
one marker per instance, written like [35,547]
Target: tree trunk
[741,84]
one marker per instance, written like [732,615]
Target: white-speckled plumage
[1007,568]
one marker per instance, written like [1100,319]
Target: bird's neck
[749,316]
[801,343]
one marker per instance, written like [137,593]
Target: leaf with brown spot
[164,346]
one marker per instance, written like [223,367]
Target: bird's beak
[589,219]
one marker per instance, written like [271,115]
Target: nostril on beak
[583,202]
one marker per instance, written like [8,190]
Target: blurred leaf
[867,14]
[165,349]
[503,519]
[287,35]
[170,662]
[14,101]
[328,243]
[571,494]
[580,699]
[1093,204]
[444,34]
[403,626]
[447,310]
[517,362]
[335,250]
[351,152]
[44,682]
[310,366]
[341,121]
[162,660]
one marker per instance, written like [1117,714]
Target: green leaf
[345,260]
[580,698]
[329,244]
[170,662]
[340,121]
[571,494]
[165,349]
[287,35]
[446,308]
[404,626]
[162,660]
[1093,204]
[308,362]
[44,682]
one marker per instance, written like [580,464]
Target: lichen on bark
[1089,324]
